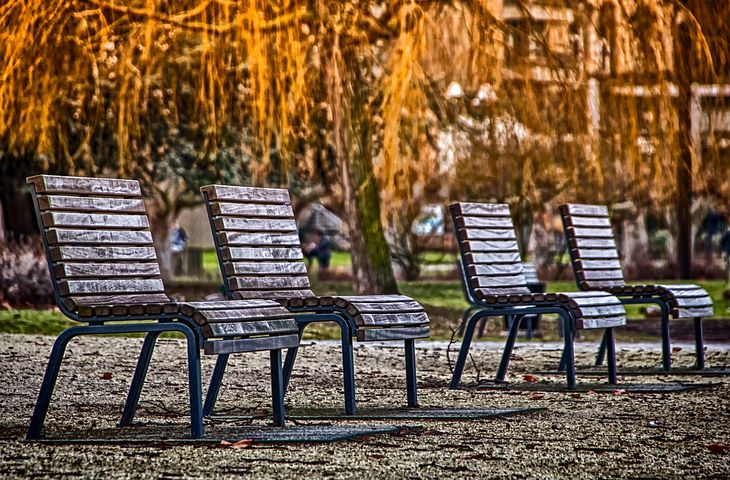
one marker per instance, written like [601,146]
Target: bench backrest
[257,242]
[98,241]
[592,246]
[487,242]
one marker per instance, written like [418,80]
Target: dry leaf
[530,378]
[106,376]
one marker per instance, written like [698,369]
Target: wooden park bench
[495,281]
[104,269]
[597,267]
[260,257]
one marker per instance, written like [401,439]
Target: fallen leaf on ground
[529,378]
[719,448]
[676,349]
[106,376]
[536,396]
[245,443]
[619,392]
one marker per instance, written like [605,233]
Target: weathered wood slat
[484,222]
[270,283]
[601,274]
[255,224]
[94,220]
[102,253]
[239,314]
[96,286]
[601,284]
[693,312]
[101,270]
[698,292]
[108,237]
[266,268]
[251,238]
[678,287]
[501,295]
[277,342]
[530,272]
[189,308]
[487,234]
[391,319]
[585,210]
[390,307]
[593,243]
[600,311]
[596,254]
[264,327]
[273,294]
[601,322]
[598,264]
[497,269]
[691,302]
[388,334]
[246,194]
[586,232]
[84,304]
[490,246]
[591,222]
[506,281]
[83,185]
[91,204]
[511,257]
[252,210]
[481,209]
[262,253]
[344,300]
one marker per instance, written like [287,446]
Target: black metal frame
[165,322]
[304,317]
[514,314]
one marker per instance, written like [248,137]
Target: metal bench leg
[568,352]
[140,373]
[666,347]
[601,355]
[514,325]
[215,383]
[291,357]
[564,356]
[411,381]
[195,386]
[49,382]
[464,351]
[611,352]
[348,371]
[482,326]
[277,388]
[699,344]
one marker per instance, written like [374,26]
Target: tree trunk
[683,203]
[347,97]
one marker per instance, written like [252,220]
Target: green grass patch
[36,322]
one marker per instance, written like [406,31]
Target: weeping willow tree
[182,92]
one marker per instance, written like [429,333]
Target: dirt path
[579,435]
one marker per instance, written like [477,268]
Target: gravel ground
[619,434]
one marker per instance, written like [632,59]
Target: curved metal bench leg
[411,380]
[568,351]
[666,342]
[514,325]
[348,370]
[601,355]
[277,388]
[699,344]
[49,382]
[215,383]
[482,326]
[610,341]
[140,373]
[290,359]
[464,351]
[195,385]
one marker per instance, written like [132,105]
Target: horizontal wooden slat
[389,307]
[345,300]
[586,210]
[75,303]
[109,237]
[590,232]
[692,302]
[600,311]
[265,268]
[595,254]
[386,334]
[593,243]
[698,292]
[490,246]
[189,308]
[102,253]
[273,283]
[240,314]
[496,269]
[246,194]
[484,222]
[598,264]
[505,281]
[391,319]
[601,274]
[512,257]
[255,224]
[84,185]
[481,209]
[252,238]
[262,253]
[273,294]
[91,204]
[75,287]
[592,222]
[486,234]
[244,329]
[693,312]
[99,270]
[252,210]
[278,342]
[94,220]
[601,322]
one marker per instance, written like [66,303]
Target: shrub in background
[24,277]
